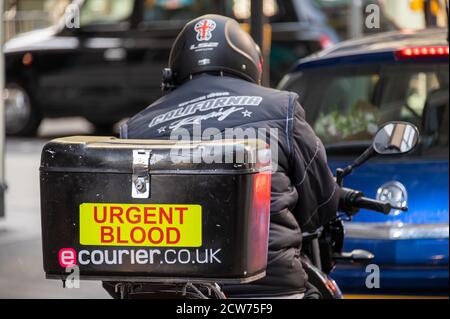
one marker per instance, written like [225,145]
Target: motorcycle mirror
[396,138]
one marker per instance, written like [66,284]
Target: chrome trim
[396,231]
[394,193]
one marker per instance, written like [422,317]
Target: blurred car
[348,91]
[110,67]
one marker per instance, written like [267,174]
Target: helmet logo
[204,29]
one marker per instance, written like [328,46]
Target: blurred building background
[26,15]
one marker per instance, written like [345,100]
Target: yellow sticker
[148,225]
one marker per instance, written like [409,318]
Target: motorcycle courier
[187,218]
[94,218]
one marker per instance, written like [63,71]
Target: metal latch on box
[141,175]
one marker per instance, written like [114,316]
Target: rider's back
[211,103]
[214,72]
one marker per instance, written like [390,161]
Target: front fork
[323,249]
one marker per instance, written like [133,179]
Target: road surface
[21,270]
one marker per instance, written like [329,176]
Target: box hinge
[141,174]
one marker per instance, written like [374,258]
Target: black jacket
[304,193]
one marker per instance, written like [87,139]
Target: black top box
[155,211]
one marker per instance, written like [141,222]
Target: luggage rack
[189,290]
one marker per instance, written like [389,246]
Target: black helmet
[213,43]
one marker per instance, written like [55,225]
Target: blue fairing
[425,180]
[422,263]
[415,280]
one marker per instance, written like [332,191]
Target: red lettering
[177,236]
[137,215]
[133,219]
[116,212]
[98,220]
[119,239]
[163,215]
[134,237]
[182,211]
[149,216]
[106,235]
[151,236]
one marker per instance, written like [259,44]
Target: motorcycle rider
[213,57]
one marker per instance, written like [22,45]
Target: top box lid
[112,155]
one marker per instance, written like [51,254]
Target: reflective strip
[396,232]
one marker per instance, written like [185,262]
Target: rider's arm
[311,175]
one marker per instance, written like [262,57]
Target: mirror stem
[368,154]
[343,173]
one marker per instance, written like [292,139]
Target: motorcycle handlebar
[351,202]
[373,205]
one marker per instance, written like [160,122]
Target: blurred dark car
[110,67]
[348,92]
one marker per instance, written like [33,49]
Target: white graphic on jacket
[221,115]
[246,113]
[186,113]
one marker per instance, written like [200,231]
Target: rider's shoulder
[272,92]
